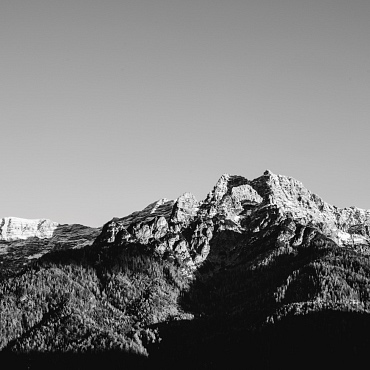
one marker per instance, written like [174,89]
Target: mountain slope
[23,241]
[262,271]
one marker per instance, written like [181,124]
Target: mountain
[261,272]
[22,241]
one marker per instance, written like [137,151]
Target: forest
[128,306]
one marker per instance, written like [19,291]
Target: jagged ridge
[185,227]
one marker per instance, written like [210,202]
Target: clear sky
[109,105]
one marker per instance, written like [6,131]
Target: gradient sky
[107,106]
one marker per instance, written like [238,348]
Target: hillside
[262,271]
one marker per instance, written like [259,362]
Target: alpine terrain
[260,274]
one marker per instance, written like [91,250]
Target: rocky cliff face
[14,228]
[271,206]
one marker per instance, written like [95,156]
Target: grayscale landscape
[184,184]
[261,271]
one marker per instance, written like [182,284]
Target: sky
[108,105]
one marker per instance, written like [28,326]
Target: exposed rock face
[14,228]
[270,206]
[159,225]
[293,199]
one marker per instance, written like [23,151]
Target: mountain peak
[224,185]
[268,173]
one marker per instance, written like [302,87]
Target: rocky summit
[251,209]
[261,272]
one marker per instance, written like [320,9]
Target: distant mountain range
[262,272]
[23,241]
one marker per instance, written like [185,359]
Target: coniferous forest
[307,305]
